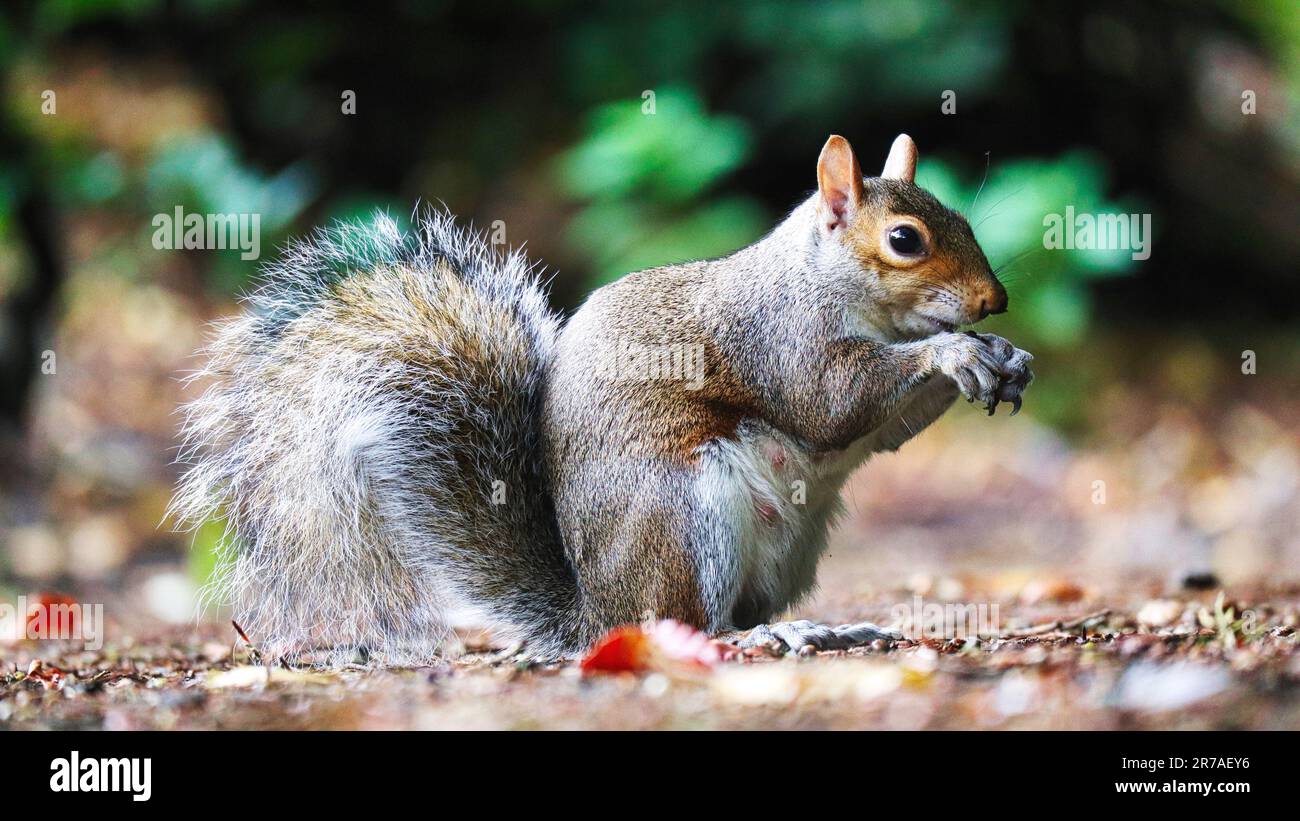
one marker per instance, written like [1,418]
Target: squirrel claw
[1015,406]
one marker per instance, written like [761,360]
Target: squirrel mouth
[940,325]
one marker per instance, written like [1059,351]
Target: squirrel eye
[905,240]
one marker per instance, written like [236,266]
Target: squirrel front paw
[985,367]
[1014,374]
[971,363]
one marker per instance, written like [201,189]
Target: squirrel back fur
[369,434]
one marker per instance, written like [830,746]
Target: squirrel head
[922,270]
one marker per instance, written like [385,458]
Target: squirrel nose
[997,304]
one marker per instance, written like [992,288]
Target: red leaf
[621,650]
[52,616]
[658,646]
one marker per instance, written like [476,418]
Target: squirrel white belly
[398,423]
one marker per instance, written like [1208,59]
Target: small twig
[241,632]
[1066,626]
[254,653]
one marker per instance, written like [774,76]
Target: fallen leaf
[255,676]
[783,684]
[623,649]
[763,684]
[1051,590]
[1160,612]
[50,676]
[659,646]
[52,616]
[1147,686]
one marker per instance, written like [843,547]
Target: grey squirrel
[399,424]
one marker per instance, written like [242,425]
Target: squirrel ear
[839,180]
[901,163]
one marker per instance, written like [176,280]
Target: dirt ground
[1096,671]
[1144,578]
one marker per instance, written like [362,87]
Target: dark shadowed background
[614,136]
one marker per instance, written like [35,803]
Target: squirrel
[398,424]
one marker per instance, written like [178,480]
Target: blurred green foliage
[205,555]
[807,60]
[206,174]
[743,95]
[203,174]
[645,171]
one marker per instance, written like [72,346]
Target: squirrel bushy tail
[370,436]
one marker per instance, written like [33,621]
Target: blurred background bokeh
[539,117]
